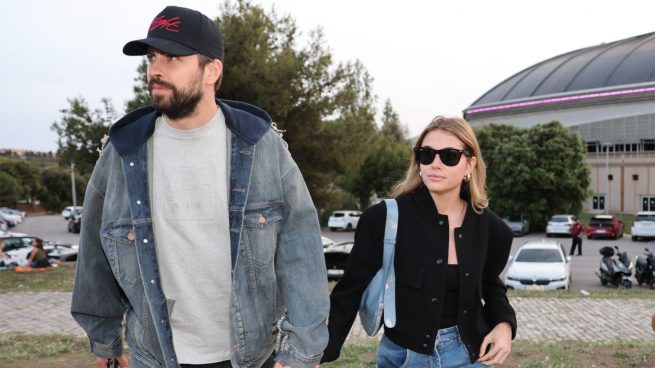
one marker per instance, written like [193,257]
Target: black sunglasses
[449,156]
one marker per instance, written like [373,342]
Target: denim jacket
[279,283]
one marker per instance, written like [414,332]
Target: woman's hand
[500,339]
[103,362]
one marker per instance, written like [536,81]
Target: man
[577,232]
[198,225]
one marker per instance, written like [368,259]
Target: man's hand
[278,365]
[500,339]
[102,362]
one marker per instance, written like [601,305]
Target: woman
[450,251]
[38,257]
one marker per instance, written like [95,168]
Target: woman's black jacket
[483,244]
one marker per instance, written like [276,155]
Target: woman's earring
[420,173]
[467,177]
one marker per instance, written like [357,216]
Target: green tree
[26,175]
[10,190]
[59,194]
[385,163]
[141,94]
[325,108]
[80,133]
[538,171]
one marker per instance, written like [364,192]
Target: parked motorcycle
[615,268]
[645,268]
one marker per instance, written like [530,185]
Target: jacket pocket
[120,245]
[410,275]
[261,227]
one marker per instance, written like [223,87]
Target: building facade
[606,93]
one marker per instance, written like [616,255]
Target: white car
[540,265]
[10,218]
[67,211]
[344,220]
[644,225]
[560,225]
[336,258]
[18,247]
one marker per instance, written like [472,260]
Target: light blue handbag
[380,295]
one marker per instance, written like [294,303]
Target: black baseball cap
[180,31]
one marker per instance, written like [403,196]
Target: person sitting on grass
[38,257]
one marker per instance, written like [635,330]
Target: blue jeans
[449,352]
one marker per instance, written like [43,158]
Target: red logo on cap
[167,24]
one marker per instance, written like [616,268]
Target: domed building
[607,94]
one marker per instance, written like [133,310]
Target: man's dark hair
[204,60]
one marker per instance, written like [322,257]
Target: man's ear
[213,71]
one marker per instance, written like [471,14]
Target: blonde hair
[475,188]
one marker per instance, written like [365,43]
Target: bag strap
[390,231]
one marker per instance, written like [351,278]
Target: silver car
[540,265]
[518,223]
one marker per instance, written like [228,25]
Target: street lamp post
[73,184]
[607,169]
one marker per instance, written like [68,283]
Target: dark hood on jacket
[132,130]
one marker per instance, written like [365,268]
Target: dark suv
[606,226]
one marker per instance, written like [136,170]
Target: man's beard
[181,103]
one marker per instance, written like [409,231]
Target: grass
[55,279]
[30,351]
[561,354]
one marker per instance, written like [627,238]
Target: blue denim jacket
[279,282]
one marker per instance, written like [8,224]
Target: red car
[607,226]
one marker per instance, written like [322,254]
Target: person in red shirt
[578,229]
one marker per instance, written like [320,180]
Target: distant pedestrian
[577,232]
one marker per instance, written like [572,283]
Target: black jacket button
[427,336]
[435,300]
[439,261]
[425,345]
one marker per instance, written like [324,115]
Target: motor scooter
[645,268]
[615,270]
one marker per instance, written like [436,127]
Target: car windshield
[514,218]
[539,255]
[645,218]
[337,214]
[560,219]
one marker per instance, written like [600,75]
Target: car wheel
[588,236]
[635,238]
[626,284]
[333,228]
[548,235]
[603,282]
[349,227]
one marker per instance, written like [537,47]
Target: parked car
[10,219]
[75,221]
[561,225]
[605,226]
[67,211]
[540,265]
[336,257]
[12,211]
[18,247]
[644,225]
[518,223]
[345,220]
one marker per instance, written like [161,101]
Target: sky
[428,57]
